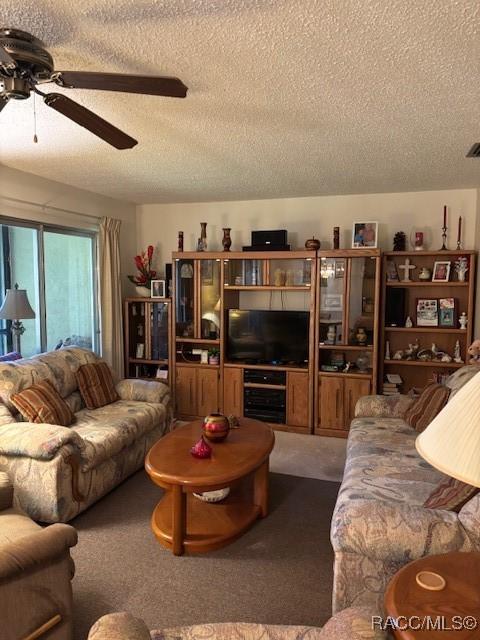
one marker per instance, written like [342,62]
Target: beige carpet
[278,572]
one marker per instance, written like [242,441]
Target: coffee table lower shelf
[209,526]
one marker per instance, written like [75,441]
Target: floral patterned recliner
[59,471]
[379,523]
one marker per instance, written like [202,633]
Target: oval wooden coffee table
[182,522]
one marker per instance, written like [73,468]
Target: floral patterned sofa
[379,522]
[59,471]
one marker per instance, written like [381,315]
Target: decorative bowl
[213,496]
[312,244]
[216,427]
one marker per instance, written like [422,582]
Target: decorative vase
[201,449]
[361,336]
[227,240]
[289,281]
[312,244]
[425,274]
[216,427]
[203,235]
[142,292]
[213,359]
[336,237]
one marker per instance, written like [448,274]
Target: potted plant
[213,356]
[146,274]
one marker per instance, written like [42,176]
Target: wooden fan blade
[6,59]
[149,85]
[86,118]
[3,102]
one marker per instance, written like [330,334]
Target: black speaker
[276,237]
[395,301]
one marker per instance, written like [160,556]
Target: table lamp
[16,307]
[451,442]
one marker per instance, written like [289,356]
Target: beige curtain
[111,294]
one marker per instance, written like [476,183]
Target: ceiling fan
[25,64]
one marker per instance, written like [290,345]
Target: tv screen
[278,337]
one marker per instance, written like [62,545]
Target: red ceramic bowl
[216,427]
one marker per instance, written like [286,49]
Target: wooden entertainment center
[339,298]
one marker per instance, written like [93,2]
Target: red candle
[459,237]
[445,215]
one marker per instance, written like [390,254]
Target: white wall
[159,224]
[28,187]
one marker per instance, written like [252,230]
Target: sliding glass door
[57,267]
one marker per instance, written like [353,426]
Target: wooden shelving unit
[417,373]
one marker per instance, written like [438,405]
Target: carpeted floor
[278,572]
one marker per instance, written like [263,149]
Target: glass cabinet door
[332,300]
[159,331]
[290,273]
[137,332]
[361,304]
[244,273]
[185,299]
[210,299]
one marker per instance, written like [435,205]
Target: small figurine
[418,242]
[474,352]
[406,268]
[180,241]
[408,323]
[398,355]
[461,268]
[331,334]
[348,366]
[399,241]
[457,357]
[227,239]
[425,274]
[463,320]
[387,350]
[434,348]
[336,237]
[411,352]
[447,358]
[361,336]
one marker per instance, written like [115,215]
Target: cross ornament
[407,267]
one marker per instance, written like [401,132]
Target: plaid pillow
[427,406]
[96,385]
[41,403]
[451,495]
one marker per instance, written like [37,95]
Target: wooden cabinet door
[233,391]
[332,415]
[186,391]
[297,399]
[207,391]
[354,389]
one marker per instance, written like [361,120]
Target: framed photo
[157,289]
[339,268]
[441,271]
[448,313]
[332,301]
[427,312]
[365,235]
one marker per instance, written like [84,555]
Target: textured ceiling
[287,98]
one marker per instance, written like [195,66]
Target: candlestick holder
[444,239]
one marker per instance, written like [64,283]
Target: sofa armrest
[143,391]
[382,406]
[395,531]
[119,626]
[35,549]
[38,441]
[354,623]
[6,491]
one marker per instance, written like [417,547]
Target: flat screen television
[273,337]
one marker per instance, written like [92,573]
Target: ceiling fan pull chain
[35,137]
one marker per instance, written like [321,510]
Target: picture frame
[332,301]
[157,289]
[339,268]
[365,235]
[441,271]
[447,314]
[427,312]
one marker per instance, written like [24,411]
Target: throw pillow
[429,404]
[42,403]
[451,495]
[96,385]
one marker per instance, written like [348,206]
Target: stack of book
[392,384]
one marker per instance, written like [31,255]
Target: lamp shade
[451,442]
[16,305]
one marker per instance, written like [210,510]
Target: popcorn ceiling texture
[287,97]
